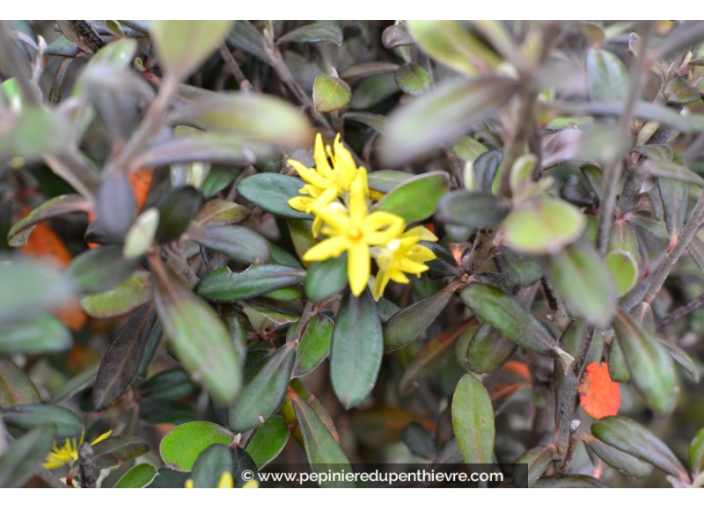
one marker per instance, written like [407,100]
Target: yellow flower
[68,453]
[402,255]
[354,231]
[325,183]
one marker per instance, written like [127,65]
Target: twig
[566,401]
[693,305]
[235,69]
[614,168]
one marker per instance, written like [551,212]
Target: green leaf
[268,441]
[123,298]
[327,278]
[116,450]
[18,462]
[473,421]
[509,317]
[409,323]
[413,79]
[253,120]
[396,36]
[543,227]
[64,204]
[525,269]
[670,170]
[181,447]
[431,358]
[627,464]
[367,69]
[182,45]
[264,392]
[322,451]
[386,180]
[487,350]
[674,196]
[176,210]
[100,269]
[314,346]
[220,212]
[121,362]
[314,33]
[357,349]
[330,94]
[624,271]
[172,384]
[607,77]
[631,437]
[16,388]
[169,479]
[38,132]
[443,114]
[199,338]
[580,276]
[538,460]
[137,477]
[372,120]
[140,236]
[272,192]
[650,364]
[444,264]
[224,286]
[75,384]
[678,91]
[30,285]
[66,423]
[696,453]
[415,199]
[38,334]
[241,244]
[211,464]
[450,44]
[473,209]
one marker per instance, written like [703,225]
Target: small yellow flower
[402,255]
[68,453]
[354,231]
[325,183]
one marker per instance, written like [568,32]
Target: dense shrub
[234,246]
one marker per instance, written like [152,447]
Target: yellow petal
[101,437]
[398,276]
[321,159]
[380,282]
[380,227]
[302,204]
[422,233]
[421,253]
[252,484]
[308,174]
[408,266]
[358,267]
[337,219]
[226,481]
[189,484]
[327,249]
[358,200]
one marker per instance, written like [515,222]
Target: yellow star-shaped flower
[68,453]
[400,256]
[354,231]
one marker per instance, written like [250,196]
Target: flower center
[355,234]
